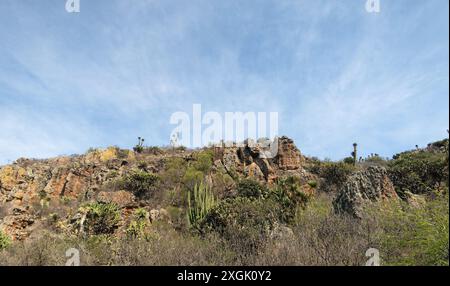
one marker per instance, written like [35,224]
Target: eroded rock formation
[365,186]
[263,160]
[28,186]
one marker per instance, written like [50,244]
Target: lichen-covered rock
[160,215]
[263,160]
[281,232]
[288,156]
[230,159]
[16,225]
[253,171]
[414,200]
[122,199]
[60,183]
[370,185]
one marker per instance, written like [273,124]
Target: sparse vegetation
[137,227]
[216,219]
[243,223]
[251,189]
[140,183]
[139,148]
[288,194]
[419,172]
[333,175]
[242,231]
[5,241]
[101,218]
[313,184]
[414,235]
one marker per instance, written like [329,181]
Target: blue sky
[118,69]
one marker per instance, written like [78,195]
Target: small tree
[139,148]
[141,183]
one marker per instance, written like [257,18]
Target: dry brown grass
[319,237]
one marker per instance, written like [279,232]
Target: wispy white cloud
[118,70]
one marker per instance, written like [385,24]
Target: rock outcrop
[366,186]
[122,199]
[31,185]
[27,186]
[263,160]
[18,223]
[288,157]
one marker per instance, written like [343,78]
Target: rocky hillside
[28,186]
[258,197]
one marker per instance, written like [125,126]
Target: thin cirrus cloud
[117,70]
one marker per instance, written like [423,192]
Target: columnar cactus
[199,205]
[355,152]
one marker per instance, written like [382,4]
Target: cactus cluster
[199,204]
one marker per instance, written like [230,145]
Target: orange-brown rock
[288,157]
[123,199]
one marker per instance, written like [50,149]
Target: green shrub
[141,184]
[192,177]
[243,223]
[5,241]
[349,160]
[418,172]
[102,218]
[178,218]
[312,183]
[376,160]
[223,184]
[319,206]
[153,150]
[136,228]
[289,195]
[197,170]
[142,165]
[199,204]
[251,189]
[204,161]
[415,235]
[174,170]
[334,175]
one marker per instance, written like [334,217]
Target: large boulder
[263,160]
[288,157]
[369,185]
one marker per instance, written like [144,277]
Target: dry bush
[413,235]
[173,250]
[404,236]
[321,238]
[165,247]
[46,250]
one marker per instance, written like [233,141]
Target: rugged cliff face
[26,186]
[264,161]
